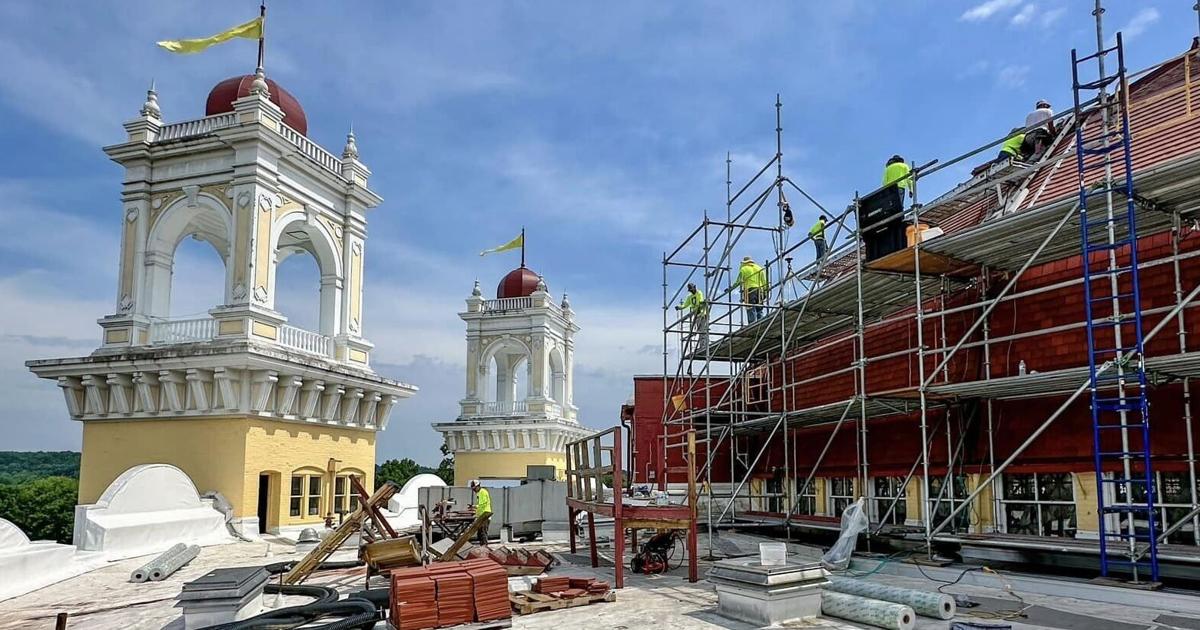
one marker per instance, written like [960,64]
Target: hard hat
[474,483]
[746,259]
[1043,103]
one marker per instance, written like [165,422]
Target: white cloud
[1012,76]
[977,68]
[985,10]
[1025,15]
[1050,17]
[1138,24]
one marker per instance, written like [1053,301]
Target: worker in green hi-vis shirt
[483,508]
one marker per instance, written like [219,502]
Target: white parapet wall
[27,565]
[146,510]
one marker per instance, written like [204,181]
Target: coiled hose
[356,612]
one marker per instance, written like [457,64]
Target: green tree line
[38,491]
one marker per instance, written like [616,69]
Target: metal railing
[190,330]
[197,127]
[305,340]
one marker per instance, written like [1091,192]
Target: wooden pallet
[527,603]
[498,624]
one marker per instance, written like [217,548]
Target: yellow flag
[250,30]
[513,244]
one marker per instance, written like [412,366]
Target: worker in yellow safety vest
[753,280]
[896,172]
[817,234]
[1011,149]
[483,509]
[697,310]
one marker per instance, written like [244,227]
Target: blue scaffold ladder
[1128,520]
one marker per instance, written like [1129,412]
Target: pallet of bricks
[449,594]
[554,593]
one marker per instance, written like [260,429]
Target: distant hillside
[21,466]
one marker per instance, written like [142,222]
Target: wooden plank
[903,261]
[452,552]
[334,539]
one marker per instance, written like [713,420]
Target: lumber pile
[448,594]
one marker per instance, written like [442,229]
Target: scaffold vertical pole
[920,320]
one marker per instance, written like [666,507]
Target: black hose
[320,594]
[357,613]
[377,596]
[275,568]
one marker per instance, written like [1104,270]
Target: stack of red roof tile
[548,584]
[580,582]
[490,584]
[449,593]
[413,602]
[455,597]
[597,587]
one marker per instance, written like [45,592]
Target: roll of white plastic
[869,611]
[927,603]
[142,573]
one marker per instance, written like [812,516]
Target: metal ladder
[1120,412]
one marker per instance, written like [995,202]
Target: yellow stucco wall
[982,510]
[211,451]
[228,455]
[469,466]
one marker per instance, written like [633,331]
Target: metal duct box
[767,595]
[546,473]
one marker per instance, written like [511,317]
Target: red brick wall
[893,443]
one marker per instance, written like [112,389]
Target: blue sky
[602,127]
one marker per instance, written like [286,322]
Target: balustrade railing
[195,329]
[311,149]
[197,127]
[191,330]
[507,304]
[305,340]
[505,406]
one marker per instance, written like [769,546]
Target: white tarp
[29,565]
[146,510]
[404,503]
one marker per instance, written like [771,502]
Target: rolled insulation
[172,564]
[142,573]
[869,611]
[927,603]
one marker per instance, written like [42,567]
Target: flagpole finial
[150,108]
[476,291]
[260,83]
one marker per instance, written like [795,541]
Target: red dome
[520,282]
[222,96]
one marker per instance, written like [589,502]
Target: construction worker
[817,233]
[1011,149]
[483,509]
[753,280]
[1038,139]
[897,172]
[697,311]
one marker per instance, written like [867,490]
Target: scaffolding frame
[750,352]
